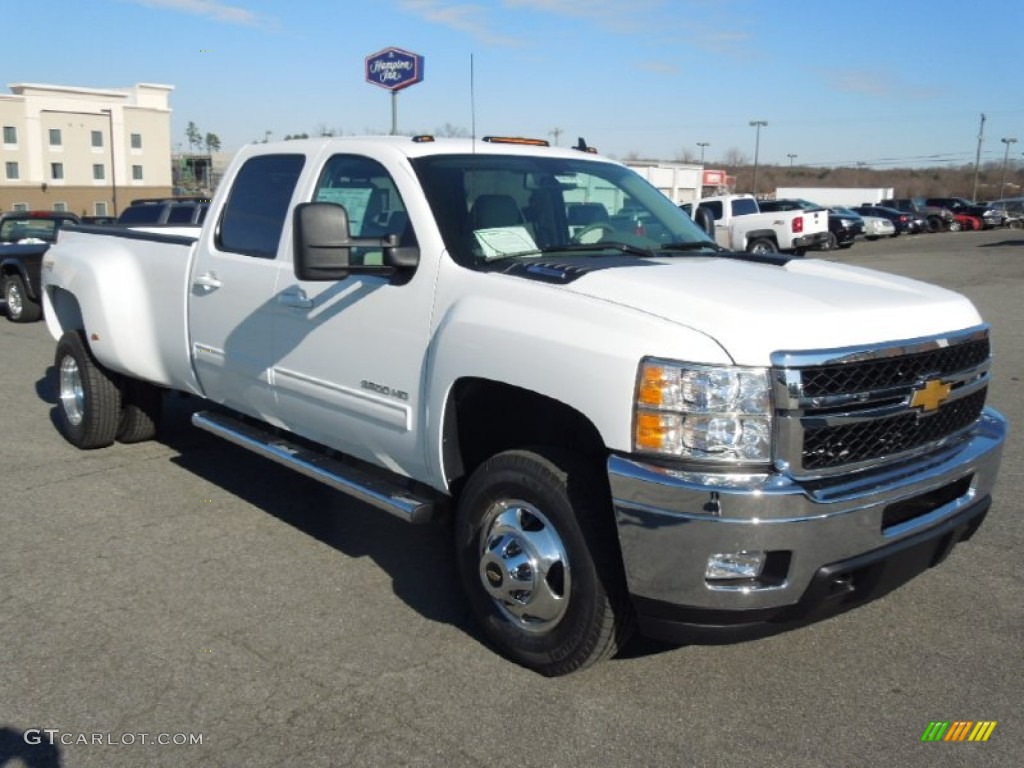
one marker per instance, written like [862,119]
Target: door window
[255,213]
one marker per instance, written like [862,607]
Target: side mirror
[322,241]
[323,246]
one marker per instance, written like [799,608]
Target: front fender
[569,347]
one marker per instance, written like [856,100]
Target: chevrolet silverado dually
[631,426]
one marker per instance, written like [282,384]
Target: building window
[98,172]
[136,139]
[19,207]
[57,171]
[12,170]
[60,207]
[137,173]
[55,137]
[97,139]
[101,208]
[10,134]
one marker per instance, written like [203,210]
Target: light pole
[791,157]
[702,145]
[113,173]
[757,125]
[977,158]
[1006,159]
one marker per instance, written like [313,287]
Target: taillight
[903,219]
[797,224]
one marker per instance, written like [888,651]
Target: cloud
[464,17]
[877,83]
[229,14]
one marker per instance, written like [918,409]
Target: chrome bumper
[670,522]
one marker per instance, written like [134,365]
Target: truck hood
[754,309]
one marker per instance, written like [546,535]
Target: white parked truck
[740,225]
[630,425]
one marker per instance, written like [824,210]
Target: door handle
[299,300]
[207,280]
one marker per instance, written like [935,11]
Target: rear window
[180,214]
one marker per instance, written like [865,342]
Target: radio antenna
[472,103]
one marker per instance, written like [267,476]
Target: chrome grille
[847,409]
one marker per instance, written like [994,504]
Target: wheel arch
[473,429]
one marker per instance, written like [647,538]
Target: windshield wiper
[611,246]
[692,246]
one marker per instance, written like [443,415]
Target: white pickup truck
[631,426]
[737,223]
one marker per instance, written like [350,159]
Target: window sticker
[503,241]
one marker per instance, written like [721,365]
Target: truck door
[232,292]
[349,354]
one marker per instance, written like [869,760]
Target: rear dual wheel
[95,406]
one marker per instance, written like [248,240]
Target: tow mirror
[323,246]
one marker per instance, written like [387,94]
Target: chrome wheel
[72,396]
[14,300]
[524,566]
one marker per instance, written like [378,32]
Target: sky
[887,84]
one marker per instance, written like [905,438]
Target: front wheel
[20,308]
[954,226]
[539,560]
[89,400]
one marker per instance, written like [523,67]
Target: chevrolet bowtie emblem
[930,396]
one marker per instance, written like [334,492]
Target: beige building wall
[85,150]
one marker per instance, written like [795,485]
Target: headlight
[703,412]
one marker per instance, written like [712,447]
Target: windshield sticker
[502,241]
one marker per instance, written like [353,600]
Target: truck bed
[150,297]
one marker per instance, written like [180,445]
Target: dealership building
[89,151]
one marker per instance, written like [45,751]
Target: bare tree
[735,157]
[452,131]
[686,156]
[212,142]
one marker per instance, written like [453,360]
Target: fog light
[735,565]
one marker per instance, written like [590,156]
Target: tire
[934,224]
[872,238]
[20,308]
[831,243]
[848,244]
[539,559]
[762,245]
[88,397]
[1015,224]
[954,226]
[141,406]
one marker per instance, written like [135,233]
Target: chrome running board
[375,491]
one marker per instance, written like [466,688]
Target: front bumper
[827,540]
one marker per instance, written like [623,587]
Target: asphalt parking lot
[188,590]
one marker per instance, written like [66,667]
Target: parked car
[738,224]
[24,237]
[1012,209]
[874,226]
[938,218]
[842,229]
[165,210]
[990,216]
[905,222]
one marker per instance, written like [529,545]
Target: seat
[491,211]
[582,214]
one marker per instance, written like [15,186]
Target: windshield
[491,207]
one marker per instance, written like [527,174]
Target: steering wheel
[598,226]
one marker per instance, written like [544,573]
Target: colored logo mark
[958,730]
